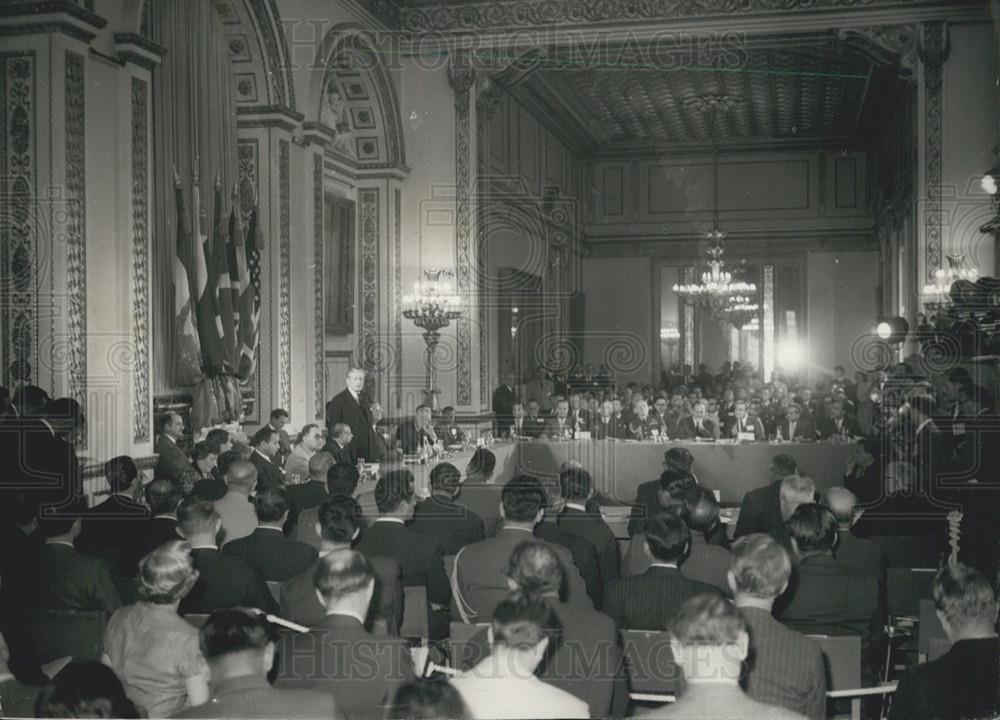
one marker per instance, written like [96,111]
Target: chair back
[649,663]
[842,654]
[468,644]
[415,621]
[929,630]
[275,587]
[936,647]
[196,619]
[69,633]
[906,586]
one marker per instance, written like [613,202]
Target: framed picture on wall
[338,265]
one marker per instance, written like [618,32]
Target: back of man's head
[813,528]
[576,484]
[783,465]
[445,479]
[271,504]
[339,519]
[701,509]
[262,436]
[522,498]
[707,620]
[679,459]
[31,400]
[796,490]
[162,496]
[196,517]
[319,464]
[343,575]
[536,569]
[216,438]
[761,566]
[236,635]
[667,536]
[841,503]
[523,620]
[393,489]
[227,459]
[121,473]
[242,475]
[965,599]
[342,479]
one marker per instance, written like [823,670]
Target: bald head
[841,503]
[318,465]
[242,475]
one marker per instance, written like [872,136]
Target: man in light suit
[794,426]
[350,406]
[741,422]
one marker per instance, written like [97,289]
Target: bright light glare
[989,184]
[791,354]
[883,330]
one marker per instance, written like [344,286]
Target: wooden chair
[653,676]
[843,663]
[69,633]
[415,623]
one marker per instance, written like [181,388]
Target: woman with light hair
[150,647]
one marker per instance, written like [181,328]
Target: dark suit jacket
[419,556]
[300,604]
[649,601]
[584,555]
[646,505]
[252,696]
[580,418]
[344,408]
[858,554]
[827,428]
[361,670]
[962,683]
[225,581]
[410,437]
[210,488]
[805,429]
[108,531]
[451,524]
[784,668]
[345,455]
[534,427]
[63,579]
[173,463]
[503,408]
[267,472]
[268,550]
[554,430]
[594,530]
[284,446]
[707,563]
[760,512]
[613,429]
[686,429]
[303,497]
[753,425]
[152,533]
[449,434]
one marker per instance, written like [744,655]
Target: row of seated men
[674,558]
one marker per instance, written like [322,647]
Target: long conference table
[620,467]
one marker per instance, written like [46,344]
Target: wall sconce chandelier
[938,293]
[432,306]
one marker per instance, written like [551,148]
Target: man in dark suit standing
[277,422]
[266,445]
[794,427]
[363,670]
[171,461]
[350,406]
[577,488]
[962,683]
[788,669]
[223,581]
[109,526]
[742,423]
[450,523]
[649,601]
[504,398]
[267,549]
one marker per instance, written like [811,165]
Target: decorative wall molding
[44,17]
[319,321]
[17,221]
[76,226]
[397,312]
[461,76]
[933,53]
[141,417]
[284,275]
[757,247]
[368,348]
[886,43]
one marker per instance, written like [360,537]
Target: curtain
[194,128]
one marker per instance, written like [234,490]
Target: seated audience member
[784,668]
[504,685]
[671,498]
[419,556]
[766,509]
[864,472]
[696,426]
[149,646]
[705,562]
[677,461]
[361,670]
[534,423]
[450,523]
[795,427]
[640,424]
[560,425]
[204,461]
[62,578]
[709,641]
[240,652]
[416,432]
[962,683]
[338,525]
[162,495]
[825,597]
[339,479]
[171,461]
[577,488]
[340,446]
[214,487]
[743,424]
[648,601]
[479,568]
[267,548]
[266,444]
[310,441]
[448,430]
[583,551]
[223,581]
[109,526]
[860,555]
[234,508]
[84,689]
[311,491]
[836,424]
[518,422]
[606,426]
[427,700]
[480,491]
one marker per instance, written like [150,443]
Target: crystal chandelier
[938,292]
[432,306]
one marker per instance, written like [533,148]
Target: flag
[250,300]
[222,290]
[208,330]
[187,358]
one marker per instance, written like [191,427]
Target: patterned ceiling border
[319,320]
[934,52]
[76,226]
[461,77]
[284,275]
[368,355]
[140,260]
[17,221]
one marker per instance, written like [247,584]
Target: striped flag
[222,290]
[208,330]
[250,299]
[187,360]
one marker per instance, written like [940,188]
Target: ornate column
[317,137]
[930,104]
